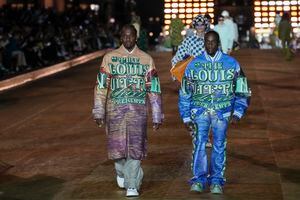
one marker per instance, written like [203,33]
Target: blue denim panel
[199,162]
[201,174]
[218,154]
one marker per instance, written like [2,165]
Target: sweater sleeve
[154,94]
[100,91]
[182,52]
[242,93]
[185,98]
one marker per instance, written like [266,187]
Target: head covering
[225,13]
[220,18]
[201,20]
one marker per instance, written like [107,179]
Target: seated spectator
[14,54]
[253,42]
[264,44]
[33,38]
[295,45]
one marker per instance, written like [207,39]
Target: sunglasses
[200,25]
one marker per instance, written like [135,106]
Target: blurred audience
[232,31]
[253,42]
[34,38]
[222,29]
[295,45]
[176,27]
[265,43]
[285,35]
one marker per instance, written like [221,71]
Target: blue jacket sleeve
[185,98]
[242,93]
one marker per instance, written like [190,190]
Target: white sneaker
[120,182]
[132,192]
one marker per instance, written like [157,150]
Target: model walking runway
[57,152]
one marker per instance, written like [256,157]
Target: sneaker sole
[120,182]
[198,191]
[216,192]
[132,195]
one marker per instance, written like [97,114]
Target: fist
[156,126]
[234,120]
[99,122]
[190,126]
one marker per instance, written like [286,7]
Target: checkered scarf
[201,19]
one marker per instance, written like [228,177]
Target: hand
[99,122]
[191,127]
[156,126]
[173,78]
[234,120]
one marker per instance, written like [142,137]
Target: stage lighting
[196,10]
[182,16]
[167,5]
[257,14]
[257,19]
[181,5]
[181,10]
[174,10]
[95,7]
[272,3]
[265,11]
[183,32]
[189,16]
[112,20]
[168,10]
[187,9]
[174,5]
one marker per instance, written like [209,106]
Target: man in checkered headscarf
[193,45]
[201,20]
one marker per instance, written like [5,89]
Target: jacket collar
[215,58]
[129,52]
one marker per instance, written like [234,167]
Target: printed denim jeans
[215,173]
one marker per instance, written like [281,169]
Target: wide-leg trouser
[201,173]
[131,171]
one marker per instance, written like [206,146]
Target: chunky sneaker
[216,189]
[132,192]
[197,187]
[120,182]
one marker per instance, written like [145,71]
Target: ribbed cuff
[237,114]
[186,119]
[158,119]
[97,114]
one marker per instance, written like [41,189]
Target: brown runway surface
[57,151]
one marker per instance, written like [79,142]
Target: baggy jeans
[215,173]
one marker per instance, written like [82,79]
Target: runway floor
[57,151]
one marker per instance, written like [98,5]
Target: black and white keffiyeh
[201,20]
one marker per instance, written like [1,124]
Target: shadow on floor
[38,187]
